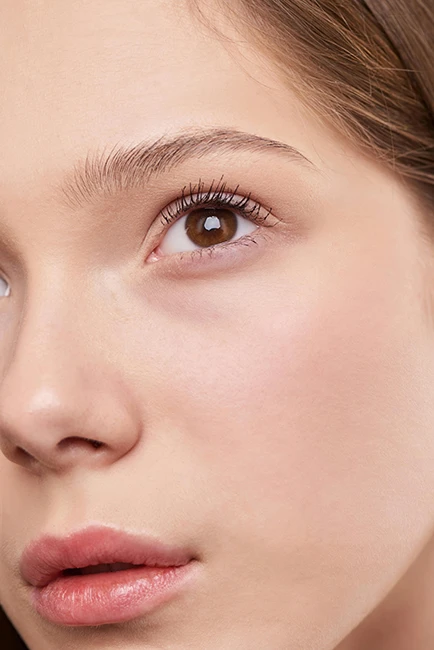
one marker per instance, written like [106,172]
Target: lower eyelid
[232,255]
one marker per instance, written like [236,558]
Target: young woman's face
[260,384]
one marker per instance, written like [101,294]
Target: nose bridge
[45,363]
[48,328]
[55,387]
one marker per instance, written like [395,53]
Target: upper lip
[43,560]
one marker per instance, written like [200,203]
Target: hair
[367,66]
[9,637]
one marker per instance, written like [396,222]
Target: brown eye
[210,226]
[203,228]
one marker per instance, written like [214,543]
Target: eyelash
[217,195]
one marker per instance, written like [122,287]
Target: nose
[62,402]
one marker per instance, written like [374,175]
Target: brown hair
[368,66]
[10,640]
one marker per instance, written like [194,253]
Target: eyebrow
[128,167]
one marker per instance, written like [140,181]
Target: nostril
[77,440]
[94,443]
[23,455]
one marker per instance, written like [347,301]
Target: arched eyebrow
[127,167]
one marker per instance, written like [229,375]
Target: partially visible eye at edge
[4,293]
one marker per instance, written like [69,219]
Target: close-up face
[215,332]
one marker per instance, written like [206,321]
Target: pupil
[210,226]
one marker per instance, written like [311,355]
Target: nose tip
[65,417]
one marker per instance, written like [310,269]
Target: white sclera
[4,288]
[176,239]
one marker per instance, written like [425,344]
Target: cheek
[310,400]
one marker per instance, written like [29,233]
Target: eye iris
[210,226]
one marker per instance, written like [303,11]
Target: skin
[270,406]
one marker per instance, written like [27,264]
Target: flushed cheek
[310,419]
[306,416]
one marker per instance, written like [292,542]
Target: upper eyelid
[210,194]
[235,202]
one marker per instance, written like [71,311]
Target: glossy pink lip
[102,598]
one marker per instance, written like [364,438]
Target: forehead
[74,75]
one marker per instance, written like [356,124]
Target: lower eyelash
[247,240]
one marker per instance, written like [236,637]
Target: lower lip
[105,598]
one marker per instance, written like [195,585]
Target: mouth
[100,576]
[101,568]
[96,550]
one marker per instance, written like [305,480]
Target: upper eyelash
[217,194]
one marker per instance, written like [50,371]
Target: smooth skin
[269,404]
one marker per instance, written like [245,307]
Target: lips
[87,551]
